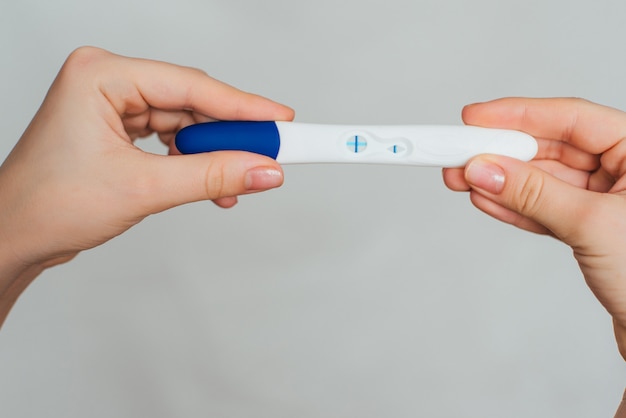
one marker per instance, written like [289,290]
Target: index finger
[588,126]
[133,85]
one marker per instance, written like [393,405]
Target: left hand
[75,179]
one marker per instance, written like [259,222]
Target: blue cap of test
[258,137]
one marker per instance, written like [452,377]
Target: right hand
[574,189]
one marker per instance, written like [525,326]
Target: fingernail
[485,175]
[263,178]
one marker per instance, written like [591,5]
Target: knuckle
[198,71]
[528,197]
[578,100]
[614,160]
[574,102]
[84,63]
[190,94]
[215,181]
[82,58]
[610,164]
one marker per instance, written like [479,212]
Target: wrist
[620,337]
[16,273]
[14,279]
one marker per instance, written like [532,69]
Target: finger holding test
[562,128]
[587,126]
[161,97]
[188,89]
[200,98]
[567,154]
[163,122]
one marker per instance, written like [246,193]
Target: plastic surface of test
[296,143]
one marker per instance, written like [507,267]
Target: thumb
[174,180]
[527,196]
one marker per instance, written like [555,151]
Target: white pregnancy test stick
[295,143]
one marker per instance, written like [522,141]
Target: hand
[573,190]
[75,180]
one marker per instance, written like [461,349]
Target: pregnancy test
[301,143]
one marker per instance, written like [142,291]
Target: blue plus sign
[356,144]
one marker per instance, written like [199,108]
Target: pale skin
[574,189]
[75,179]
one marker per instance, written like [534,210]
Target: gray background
[352,291]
